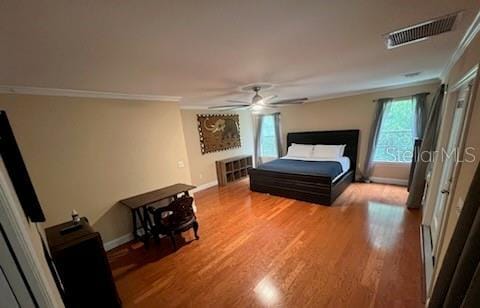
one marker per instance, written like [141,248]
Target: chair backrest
[182,208]
[178,211]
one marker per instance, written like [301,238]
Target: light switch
[180,164]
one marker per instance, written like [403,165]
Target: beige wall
[469,59]
[353,112]
[202,167]
[86,154]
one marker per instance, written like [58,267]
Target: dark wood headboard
[333,137]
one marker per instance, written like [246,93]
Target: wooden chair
[175,218]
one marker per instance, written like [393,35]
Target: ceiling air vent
[421,31]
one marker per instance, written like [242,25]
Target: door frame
[470,77]
[20,233]
[450,94]
[453,174]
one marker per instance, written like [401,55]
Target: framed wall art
[218,132]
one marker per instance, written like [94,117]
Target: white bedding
[300,150]
[344,160]
[327,151]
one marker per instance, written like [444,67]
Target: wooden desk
[138,206]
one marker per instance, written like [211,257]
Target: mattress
[325,168]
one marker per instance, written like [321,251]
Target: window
[396,136]
[268,139]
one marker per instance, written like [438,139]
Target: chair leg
[156,237]
[195,229]
[172,238]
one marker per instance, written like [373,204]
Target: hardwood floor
[260,250]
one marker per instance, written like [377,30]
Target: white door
[449,160]
[14,291]
[6,293]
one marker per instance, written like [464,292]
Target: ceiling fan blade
[228,107]
[293,101]
[265,100]
[237,102]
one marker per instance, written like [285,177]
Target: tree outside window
[268,139]
[396,136]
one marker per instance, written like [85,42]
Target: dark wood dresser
[82,266]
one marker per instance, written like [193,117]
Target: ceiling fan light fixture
[257,107]
[257,98]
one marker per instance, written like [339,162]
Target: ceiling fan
[259,102]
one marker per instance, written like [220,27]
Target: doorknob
[444,191]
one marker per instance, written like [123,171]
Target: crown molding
[162,98]
[373,90]
[340,94]
[85,93]
[471,74]
[194,107]
[472,31]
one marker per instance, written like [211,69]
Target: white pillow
[328,151]
[300,150]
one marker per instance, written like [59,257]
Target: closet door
[14,292]
[449,159]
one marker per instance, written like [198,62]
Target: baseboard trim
[204,186]
[392,181]
[118,241]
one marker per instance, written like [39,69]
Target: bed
[319,181]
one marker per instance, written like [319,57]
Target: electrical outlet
[200,176]
[180,164]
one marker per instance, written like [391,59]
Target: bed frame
[310,188]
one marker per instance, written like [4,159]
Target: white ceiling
[204,50]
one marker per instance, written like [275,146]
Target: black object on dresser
[82,264]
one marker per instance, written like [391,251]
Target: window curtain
[257,120]
[429,141]
[458,282]
[380,110]
[420,113]
[278,133]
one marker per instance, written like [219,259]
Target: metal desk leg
[146,228]
[148,220]
[134,223]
